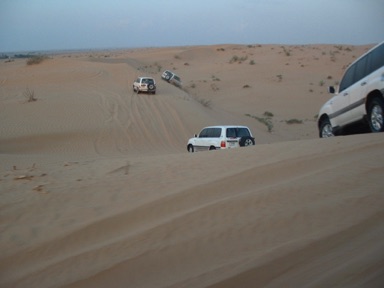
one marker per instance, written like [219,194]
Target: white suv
[360,98]
[221,137]
[144,84]
[171,78]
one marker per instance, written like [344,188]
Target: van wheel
[246,141]
[326,129]
[190,148]
[375,115]
[212,148]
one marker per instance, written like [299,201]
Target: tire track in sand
[138,123]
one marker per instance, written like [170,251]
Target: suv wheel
[375,115]
[190,148]
[246,141]
[326,129]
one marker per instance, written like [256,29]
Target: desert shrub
[30,95]
[36,59]
[238,59]
[267,121]
[234,58]
[279,77]
[268,114]
[205,102]
[252,62]
[286,51]
[242,59]
[294,121]
[246,86]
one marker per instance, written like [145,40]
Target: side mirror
[331,90]
[195,135]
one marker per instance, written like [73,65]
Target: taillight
[222,144]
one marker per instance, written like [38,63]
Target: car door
[200,142]
[358,90]
[340,103]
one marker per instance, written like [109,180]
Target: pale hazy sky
[30,25]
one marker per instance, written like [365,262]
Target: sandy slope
[97,188]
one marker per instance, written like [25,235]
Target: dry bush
[30,95]
[36,59]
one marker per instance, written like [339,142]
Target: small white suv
[171,78]
[360,97]
[221,137]
[144,84]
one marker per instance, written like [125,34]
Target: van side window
[203,133]
[242,132]
[231,132]
[361,69]
[214,132]
[376,58]
[348,78]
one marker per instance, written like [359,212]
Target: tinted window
[241,132]
[214,132]
[203,133]
[376,59]
[231,132]
[237,132]
[348,78]
[147,81]
[361,69]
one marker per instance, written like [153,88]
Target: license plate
[231,144]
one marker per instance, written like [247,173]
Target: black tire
[212,148]
[190,148]
[167,78]
[325,129]
[151,87]
[246,141]
[376,115]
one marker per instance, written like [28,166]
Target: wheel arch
[322,118]
[373,94]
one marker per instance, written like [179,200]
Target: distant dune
[97,188]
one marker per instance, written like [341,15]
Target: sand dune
[97,188]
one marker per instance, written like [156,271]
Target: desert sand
[97,188]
